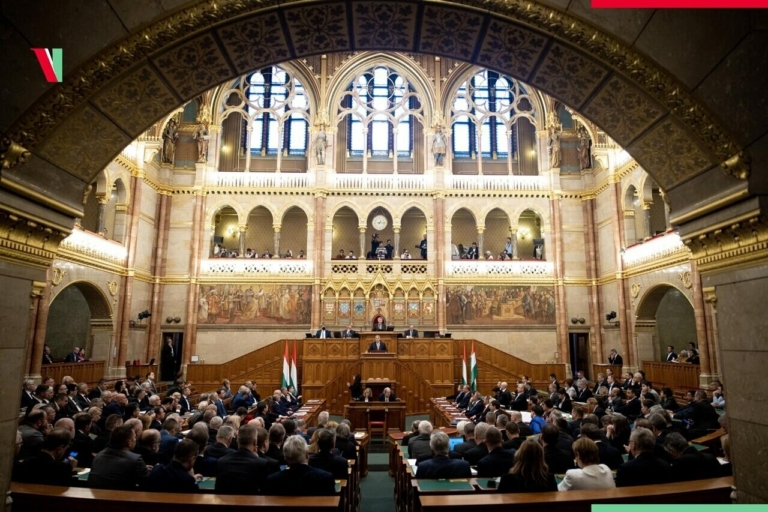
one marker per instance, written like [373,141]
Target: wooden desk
[442,413]
[357,414]
[388,337]
[310,411]
[378,365]
[377,386]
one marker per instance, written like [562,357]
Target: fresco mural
[500,305]
[254,304]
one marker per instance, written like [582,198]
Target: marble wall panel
[215,346]
[534,346]
[577,303]
[606,262]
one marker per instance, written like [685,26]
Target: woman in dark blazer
[355,389]
[529,473]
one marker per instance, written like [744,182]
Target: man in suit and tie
[614,358]
[325,459]
[323,333]
[583,393]
[463,398]
[81,398]
[300,479]
[475,406]
[498,461]
[671,356]
[646,468]
[504,396]
[377,345]
[387,396]
[72,357]
[473,253]
[117,466]
[411,332]
[349,332]
[243,472]
[610,383]
[520,402]
[632,406]
[468,434]
[28,394]
[440,466]
[168,361]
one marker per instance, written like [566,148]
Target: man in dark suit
[344,442]
[520,402]
[28,394]
[243,472]
[583,393]
[477,453]
[117,467]
[81,398]
[325,459]
[498,461]
[504,396]
[387,396]
[558,461]
[49,466]
[440,466]
[323,333]
[463,398]
[168,439]
[688,463]
[147,446]
[671,356]
[349,332]
[411,332]
[646,468]
[300,479]
[514,440]
[380,324]
[517,417]
[276,438]
[185,405]
[473,253]
[475,406]
[419,446]
[98,390]
[82,442]
[469,440]
[609,455]
[73,357]
[377,345]
[701,414]
[221,446]
[175,476]
[168,359]
[631,408]
[614,358]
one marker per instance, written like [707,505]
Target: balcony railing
[92,245]
[258,179]
[656,248]
[477,268]
[379,182]
[407,267]
[261,267]
[496,183]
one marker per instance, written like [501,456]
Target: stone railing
[500,268]
[496,183]
[657,248]
[92,245]
[265,267]
[258,180]
[409,267]
[379,181]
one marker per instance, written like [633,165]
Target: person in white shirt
[351,255]
[591,474]
[406,255]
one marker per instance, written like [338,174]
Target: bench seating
[716,490]
[74,499]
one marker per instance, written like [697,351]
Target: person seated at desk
[419,447]
[411,332]
[367,396]
[498,461]
[243,472]
[300,479]
[379,324]
[529,473]
[176,476]
[349,333]
[323,333]
[646,468]
[325,459]
[387,396]
[377,345]
[117,467]
[440,466]
[590,474]
[49,465]
[688,463]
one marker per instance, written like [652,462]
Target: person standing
[423,247]
[671,356]
[168,360]
[614,358]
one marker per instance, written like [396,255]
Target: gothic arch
[450,212]
[413,204]
[648,304]
[214,208]
[538,209]
[369,209]
[279,214]
[98,302]
[352,206]
[645,188]
[269,206]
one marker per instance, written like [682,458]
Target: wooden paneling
[601,368]
[89,371]
[672,375]
[142,370]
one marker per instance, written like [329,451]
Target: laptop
[391,328]
[308,335]
[453,441]
[337,334]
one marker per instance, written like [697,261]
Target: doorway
[177,342]
[578,343]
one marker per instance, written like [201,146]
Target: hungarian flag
[464,366]
[286,368]
[473,369]
[294,377]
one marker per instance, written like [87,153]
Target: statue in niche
[202,135]
[584,142]
[553,142]
[320,143]
[438,146]
[170,137]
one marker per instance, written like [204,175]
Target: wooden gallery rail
[672,375]
[88,371]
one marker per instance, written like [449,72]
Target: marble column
[277,227]
[158,271]
[480,250]
[513,235]
[100,224]
[41,325]
[647,220]
[34,304]
[560,311]
[397,242]
[712,335]
[318,258]
[190,326]
[622,316]
[438,247]
[590,244]
[242,231]
[701,327]
[127,288]
[362,242]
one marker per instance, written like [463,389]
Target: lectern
[358,414]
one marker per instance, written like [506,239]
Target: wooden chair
[377,423]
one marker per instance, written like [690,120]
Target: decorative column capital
[277,227]
[242,228]
[11,153]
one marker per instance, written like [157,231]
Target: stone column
[647,220]
[318,258]
[248,128]
[40,326]
[362,242]
[394,150]
[277,227]
[705,377]
[243,228]
[127,288]
[560,311]
[513,235]
[712,335]
[480,250]
[103,200]
[397,242]
[622,314]
[158,271]
[190,327]
[438,247]
[590,244]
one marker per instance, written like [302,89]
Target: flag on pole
[294,376]
[464,366]
[286,368]
[473,369]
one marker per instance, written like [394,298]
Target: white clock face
[379,222]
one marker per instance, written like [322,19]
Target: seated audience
[558,461]
[345,443]
[608,455]
[415,431]
[469,439]
[514,440]
[618,432]
[441,466]
[498,461]
[590,473]
[49,466]
[688,463]
[221,446]
[419,447]
[529,472]
[117,467]
[176,476]
[243,472]
[276,438]
[168,439]
[32,429]
[325,459]
[646,468]
[299,479]
[82,442]
[147,446]
[474,455]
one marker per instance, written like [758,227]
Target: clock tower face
[379,222]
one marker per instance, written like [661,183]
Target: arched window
[381,106]
[274,104]
[485,111]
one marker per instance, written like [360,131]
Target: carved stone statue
[170,137]
[202,135]
[321,143]
[584,160]
[555,154]
[438,146]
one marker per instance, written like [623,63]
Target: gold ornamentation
[741,241]
[11,154]
[112,287]
[738,166]
[685,278]
[28,240]
[635,290]
[710,296]
[58,276]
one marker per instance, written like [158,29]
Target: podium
[358,412]
[388,337]
[378,365]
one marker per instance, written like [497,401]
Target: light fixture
[533,152]
[523,232]
[225,149]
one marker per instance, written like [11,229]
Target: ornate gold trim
[741,241]
[709,207]
[11,154]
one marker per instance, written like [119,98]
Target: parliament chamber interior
[381,256]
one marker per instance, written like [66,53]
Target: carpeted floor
[377,492]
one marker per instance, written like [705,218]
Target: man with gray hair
[469,440]
[440,466]
[418,447]
[300,479]
[221,446]
[688,463]
[646,468]
[243,472]
[322,419]
[474,455]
